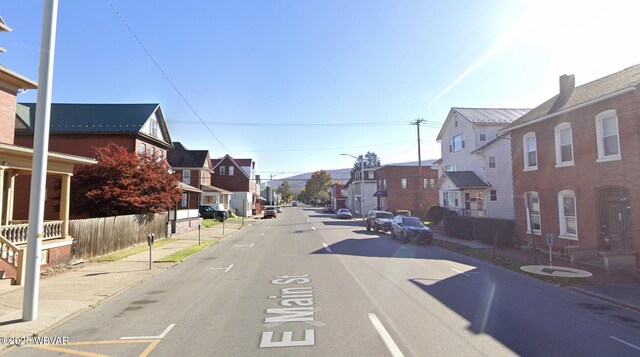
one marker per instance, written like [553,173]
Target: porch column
[64,205]
[2,169]
[10,194]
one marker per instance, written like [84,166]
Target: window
[564,145]
[143,149]
[186,176]
[222,171]
[607,136]
[152,152]
[450,198]
[160,155]
[533,215]
[432,182]
[185,197]
[384,184]
[530,151]
[232,170]
[403,182]
[492,162]
[154,126]
[456,143]
[370,174]
[483,133]
[450,168]
[494,195]
[567,214]
[425,182]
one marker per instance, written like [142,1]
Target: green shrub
[434,214]
[459,226]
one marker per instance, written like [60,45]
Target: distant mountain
[297,182]
[338,175]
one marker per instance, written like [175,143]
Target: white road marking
[160,336]
[225,269]
[460,272]
[386,338]
[245,245]
[327,248]
[261,234]
[251,245]
[314,228]
[229,268]
[625,342]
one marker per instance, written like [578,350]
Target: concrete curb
[606,298]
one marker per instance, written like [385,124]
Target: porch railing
[17,233]
[13,256]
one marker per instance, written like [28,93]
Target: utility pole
[417,123]
[35,231]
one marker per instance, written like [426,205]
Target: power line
[184,99]
[352,124]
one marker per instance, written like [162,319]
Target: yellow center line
[149,348]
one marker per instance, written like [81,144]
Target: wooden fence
[94,237]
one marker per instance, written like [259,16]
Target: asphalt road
[308,284]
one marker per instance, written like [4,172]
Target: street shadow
[11,322]
[322,215]
[343,222]
[380,247]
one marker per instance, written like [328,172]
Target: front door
[616,220]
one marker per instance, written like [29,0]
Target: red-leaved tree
[122,183]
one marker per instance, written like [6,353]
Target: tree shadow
[380,247]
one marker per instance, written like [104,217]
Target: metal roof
[92,118]
[616,82]
[499,116]
[187,158]
[466,179]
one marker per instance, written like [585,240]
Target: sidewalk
[620,290]
[68,294]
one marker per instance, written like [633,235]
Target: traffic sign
[550,237]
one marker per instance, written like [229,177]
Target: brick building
[77,128]
[400,186]
[576,170]
[238,176]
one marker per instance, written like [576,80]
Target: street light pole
[361,159]
[271,195]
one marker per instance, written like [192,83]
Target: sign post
[550,237]
[198,234]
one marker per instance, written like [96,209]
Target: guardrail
[17,233]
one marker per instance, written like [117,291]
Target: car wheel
[368,228]
[404,238]
[393,234]
[376,229]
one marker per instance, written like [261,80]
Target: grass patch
[186,252]
[208,223]
[121,254]
[507,263]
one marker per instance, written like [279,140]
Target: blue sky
[292,84]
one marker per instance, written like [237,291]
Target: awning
[466,179]
[209,188]
[381,193]
[188,188]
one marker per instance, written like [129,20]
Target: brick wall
[236,183]
[586,177]
[7,115]
[399,198]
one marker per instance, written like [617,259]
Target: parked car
[328,209]
[343,213]
[270,212]
[407,228]
[379,221]
[278,209]
[294,204]
[213,212]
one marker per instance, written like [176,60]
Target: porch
[15,161]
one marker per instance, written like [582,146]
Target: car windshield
[462,148]
[413,222]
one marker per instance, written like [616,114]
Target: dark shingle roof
[187,158]
[466,179]
[629,77]
[487,144]
[92,118]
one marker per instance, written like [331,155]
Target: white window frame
[482,133]
[432,182]
[403,183]
[450,168]
[533,195]
[232,170]
[425,183]
[143,149]
[186,176]
[492,160]
[525,147]
[184,200]
[563,218]
[608,114]
[491,196]
[153,130]
[452,143]
[223,170]
[370,175]
[559,128]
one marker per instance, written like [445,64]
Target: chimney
[567,83]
